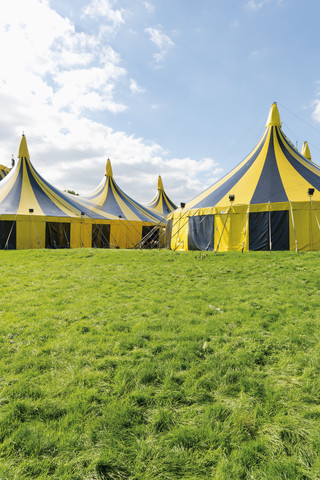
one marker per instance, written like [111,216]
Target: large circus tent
[35,214]
[270,201]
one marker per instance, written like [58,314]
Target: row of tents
[35,214]
[269,201]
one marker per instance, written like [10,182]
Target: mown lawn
[159,365]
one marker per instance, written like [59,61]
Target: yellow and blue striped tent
[108,198]
[161,203]
[270,201]
[3,171]
[35,214]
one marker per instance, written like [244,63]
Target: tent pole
[315,214]
[225,222]
[245,230]
[294,228]
[270,237]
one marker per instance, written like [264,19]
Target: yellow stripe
[245,187]
[28,198]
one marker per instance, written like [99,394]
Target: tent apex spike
[306,151]
[23,148]
[273,117]
[160,184]
[108,169]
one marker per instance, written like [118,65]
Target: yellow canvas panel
[86,233]
[230,231]
[134,234]
[306,218]
[179,236]
[30,233]
[75,234]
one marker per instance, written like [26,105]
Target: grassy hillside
[159,365]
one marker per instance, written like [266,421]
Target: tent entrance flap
[201,232]
[269,230]
[8,235]
[101,236]
[57,235]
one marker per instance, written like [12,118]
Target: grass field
[159,365]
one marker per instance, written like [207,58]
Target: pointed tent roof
[273,172]
[3,171]
[111,200]
[24,190]
[161,203]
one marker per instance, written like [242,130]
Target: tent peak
[160,184]
[306,151]
[23,148]
[273,117]
[108,169]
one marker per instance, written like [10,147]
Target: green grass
[159,365]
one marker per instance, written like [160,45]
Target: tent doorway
[57,235]
[100,236]
[269,230]
[8,235]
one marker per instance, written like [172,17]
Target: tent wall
[241,227]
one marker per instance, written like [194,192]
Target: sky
[177,88]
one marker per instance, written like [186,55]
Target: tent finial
[160,184]
[306,151]
[23,148]
[273,117]
[108,169]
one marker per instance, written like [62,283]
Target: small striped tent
[161,203]
[35,214]
[270,201]
[108,198]
[3,171]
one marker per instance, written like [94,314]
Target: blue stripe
[212,199]
[307,174]
[270,187]
[10,203]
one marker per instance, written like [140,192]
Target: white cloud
[98,9]
[134,87]
[316,111]
[258,4]
[149,6]
[53,76]
[161,40]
